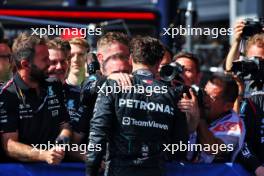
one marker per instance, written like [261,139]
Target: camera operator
[254,47]
[191,68]
[120,119]
[185,74]
[219,125]
[32,107]
[251,155]
[204,117]
[201,130]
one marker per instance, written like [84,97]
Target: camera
[172,72]
[252,27]
[249,68]
[198,92]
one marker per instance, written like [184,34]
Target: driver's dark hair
[146,50]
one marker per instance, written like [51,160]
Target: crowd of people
[47,96]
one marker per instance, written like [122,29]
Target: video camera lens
[249,68]
[171,71]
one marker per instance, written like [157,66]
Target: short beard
[37,75]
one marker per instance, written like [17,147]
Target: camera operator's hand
[233,53]
[238,30]
[122,79]
[259,171]
[191,108]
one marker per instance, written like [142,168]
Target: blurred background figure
[6,63]
[92,64]
[79,51]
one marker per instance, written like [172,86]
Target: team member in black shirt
[32,108]
[59,54]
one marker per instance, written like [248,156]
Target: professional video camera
[249,68]
[172,72]
[252,27]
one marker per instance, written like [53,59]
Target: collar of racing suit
[144,72]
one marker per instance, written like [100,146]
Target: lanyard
[21,97]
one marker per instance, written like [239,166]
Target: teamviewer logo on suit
[126,121]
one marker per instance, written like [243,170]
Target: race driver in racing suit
[136,125]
